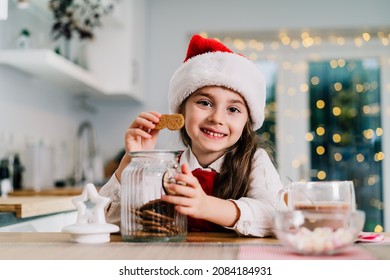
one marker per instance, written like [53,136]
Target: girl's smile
[213,134]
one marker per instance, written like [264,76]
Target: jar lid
[154,153]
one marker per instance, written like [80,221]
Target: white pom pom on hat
[210,63]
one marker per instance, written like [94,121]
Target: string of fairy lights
[296,41]
[253,47]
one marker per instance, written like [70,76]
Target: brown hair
[235,177]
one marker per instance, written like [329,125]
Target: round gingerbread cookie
[175,121]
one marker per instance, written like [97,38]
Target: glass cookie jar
[144,216]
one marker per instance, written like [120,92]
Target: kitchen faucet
[86,152]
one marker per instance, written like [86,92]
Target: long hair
[235,177]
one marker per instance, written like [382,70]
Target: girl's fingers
[146,120]
[142,123]
[185,169]
[141,133]
[180,190]
[178,200]
[152,116]
[183,210]
[187,179]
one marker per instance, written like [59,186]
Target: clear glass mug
[144,216]
[319,196]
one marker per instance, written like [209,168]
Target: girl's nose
[217,116]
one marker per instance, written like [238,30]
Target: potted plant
[77,19]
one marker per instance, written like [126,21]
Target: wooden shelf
[46,64]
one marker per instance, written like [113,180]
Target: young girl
[228,181]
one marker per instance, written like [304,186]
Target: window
[346,129]
[268,129]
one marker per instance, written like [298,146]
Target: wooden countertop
[31,203]
[192,237]
[217,246]
[31,206]
[63,191]
[59,246]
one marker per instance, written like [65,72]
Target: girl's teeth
[213,133]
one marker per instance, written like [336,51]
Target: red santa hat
[210,63]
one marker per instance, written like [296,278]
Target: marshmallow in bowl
[321,240]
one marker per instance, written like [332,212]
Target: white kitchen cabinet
[51,223]
[116,55]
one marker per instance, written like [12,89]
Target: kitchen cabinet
[114,58]
[49,223]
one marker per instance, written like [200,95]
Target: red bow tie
[206,179]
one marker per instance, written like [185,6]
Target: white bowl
[318,233]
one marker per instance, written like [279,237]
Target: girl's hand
[189,198]
[141,134]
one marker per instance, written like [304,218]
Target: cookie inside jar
[156,218]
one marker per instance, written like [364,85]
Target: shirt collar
[190,158]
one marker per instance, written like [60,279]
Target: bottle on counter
[17,176]
[39,165]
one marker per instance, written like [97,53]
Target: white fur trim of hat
[210,63]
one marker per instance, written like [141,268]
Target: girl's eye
[204,102]
[234,110]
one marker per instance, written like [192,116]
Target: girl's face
[214,120]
